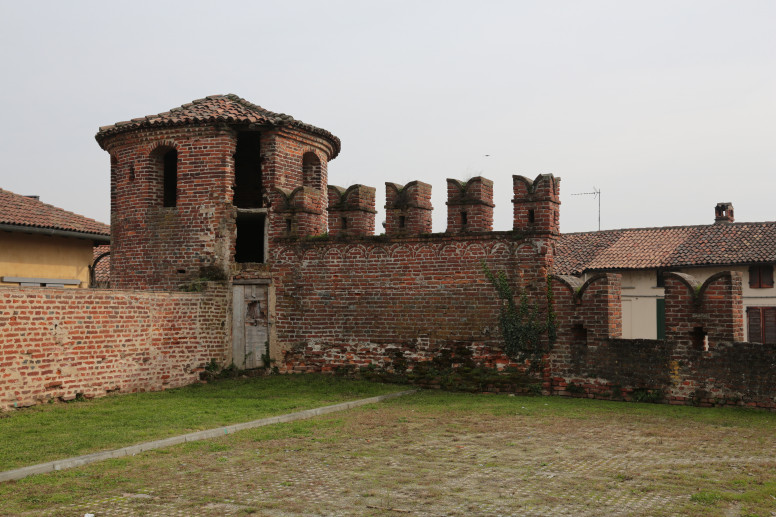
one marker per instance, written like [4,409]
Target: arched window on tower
[170,178]
[311,171]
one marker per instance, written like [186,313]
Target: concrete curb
[77,461]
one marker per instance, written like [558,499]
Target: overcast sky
[667,107]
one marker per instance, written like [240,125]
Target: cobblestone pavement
[391,460]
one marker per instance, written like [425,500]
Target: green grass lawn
[62,430]
[442,453]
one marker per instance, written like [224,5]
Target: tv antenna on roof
[596,193]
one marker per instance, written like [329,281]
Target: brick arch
[312,170]
[450,250]
[572,283]
[475,250]
[401,251]
[499,250]
[284,254]
[355,252]
[167,178]
[590,281]
[334,254]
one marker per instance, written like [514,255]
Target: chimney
[723,213]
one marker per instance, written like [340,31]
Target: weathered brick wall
[153,246]
[714,366]
[702,361]
[158,247]
[360,301]
[57,343]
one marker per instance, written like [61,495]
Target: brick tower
[208,185]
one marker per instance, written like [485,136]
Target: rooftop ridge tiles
[179,116]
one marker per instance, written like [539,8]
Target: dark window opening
[761,276]
[311,171]
[249,246]
[170,166]
[402,221]
[762,325]
[464,218]
[247,171]
[579,334]
[344,223]
[531,216]
[700,339]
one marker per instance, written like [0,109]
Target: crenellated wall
[250,204]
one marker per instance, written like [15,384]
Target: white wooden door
[250,333]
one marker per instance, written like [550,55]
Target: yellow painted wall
[41,256]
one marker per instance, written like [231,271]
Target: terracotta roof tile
[23,211]
[677,246]
[229,109]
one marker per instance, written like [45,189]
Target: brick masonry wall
[702,361]
[57,343]
[361,301]
[158,247]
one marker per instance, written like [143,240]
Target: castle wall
[360,302]
[702,361]
[61,343]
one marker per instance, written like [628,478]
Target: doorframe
[274,350]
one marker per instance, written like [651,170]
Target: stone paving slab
[388,461]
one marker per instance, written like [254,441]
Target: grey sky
[668,107]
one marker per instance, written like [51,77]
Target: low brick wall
[58,343]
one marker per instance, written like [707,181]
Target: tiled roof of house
[668,247]
[229,109]
[23,211]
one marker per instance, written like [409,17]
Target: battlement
[299,211]
[407,208]
[469,205]
[352,210]
[536,204]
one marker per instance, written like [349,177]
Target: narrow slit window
[170,166]
[344,223]
[402,221]
[531,216]
[464,219]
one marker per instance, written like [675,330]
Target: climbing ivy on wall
[521,323]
